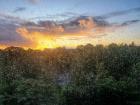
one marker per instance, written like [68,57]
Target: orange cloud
[48,34]
[2,46]
[73,30]
[52,36]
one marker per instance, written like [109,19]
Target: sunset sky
[42,24]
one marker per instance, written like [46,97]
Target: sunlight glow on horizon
[61,23]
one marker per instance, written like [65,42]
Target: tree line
[86,75]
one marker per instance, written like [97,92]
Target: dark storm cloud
[19,9]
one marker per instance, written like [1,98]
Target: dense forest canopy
[87,75]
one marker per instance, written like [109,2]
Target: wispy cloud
[126,23]
[34,1]
[119,13]
[17,31]
[19,9]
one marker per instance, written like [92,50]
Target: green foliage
[87,75]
